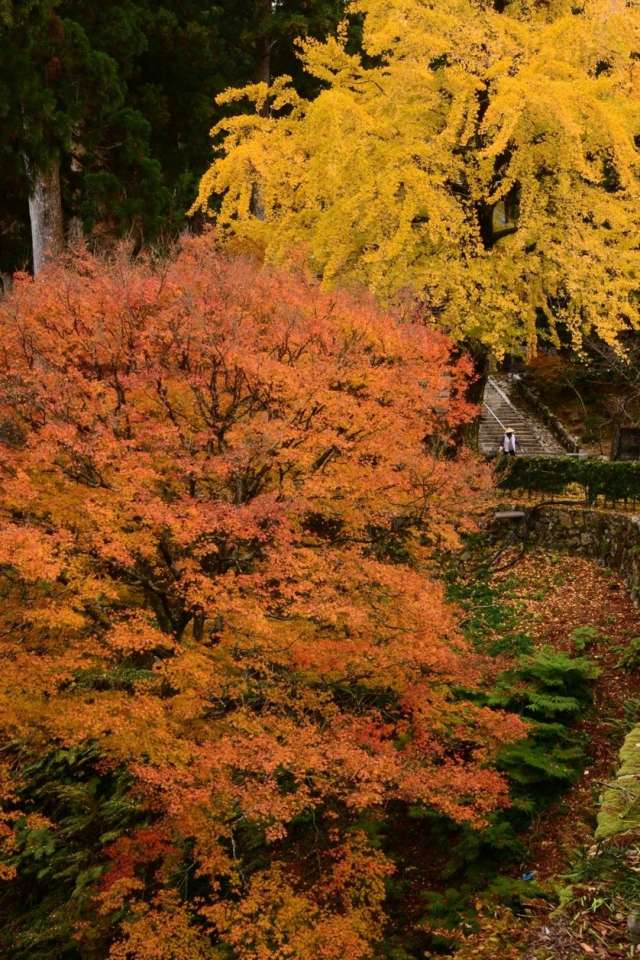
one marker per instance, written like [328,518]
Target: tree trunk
[263,58]
[263,69]
[45,214]
[262,75]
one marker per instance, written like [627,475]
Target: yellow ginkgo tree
[481,155]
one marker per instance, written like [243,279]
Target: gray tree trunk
[263,75]
[45,214]
[265,43]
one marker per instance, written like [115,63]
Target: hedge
[614,480]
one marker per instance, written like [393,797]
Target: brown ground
[554,595]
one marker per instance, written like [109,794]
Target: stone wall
[612,538]
[558,429]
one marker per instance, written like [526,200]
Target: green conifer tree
[106,108]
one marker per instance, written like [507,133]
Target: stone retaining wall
[612,538]
[558,429]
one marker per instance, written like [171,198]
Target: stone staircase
[499,411]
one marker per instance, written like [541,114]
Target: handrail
[494,415]
[499,390]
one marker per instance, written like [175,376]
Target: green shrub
[57,862]
[615,480]
[550,689]
[479,854]
[547,684]
[511,892]
[446,909]
[583,638]
[630,658]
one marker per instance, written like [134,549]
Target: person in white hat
[509,444]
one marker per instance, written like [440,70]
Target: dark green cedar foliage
[551,690]
[123,92]
[57,863]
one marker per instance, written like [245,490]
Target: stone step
[500,411]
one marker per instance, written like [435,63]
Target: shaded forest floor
[545,891]
[554,596]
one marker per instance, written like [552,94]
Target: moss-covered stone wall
[620,805]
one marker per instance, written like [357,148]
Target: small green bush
[630,658]
[550,689]
[615,480]
[583,638]
[546,684]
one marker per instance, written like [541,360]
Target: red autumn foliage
[220,495]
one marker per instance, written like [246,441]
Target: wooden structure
[626,444]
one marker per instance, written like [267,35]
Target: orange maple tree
[221,490]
